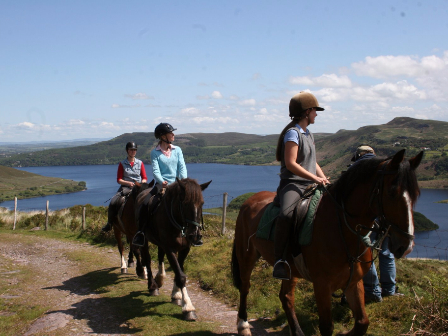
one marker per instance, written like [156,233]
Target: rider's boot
[110,219]
[282,270]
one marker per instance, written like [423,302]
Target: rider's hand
[165,184]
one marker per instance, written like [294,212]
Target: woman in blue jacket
[168,164]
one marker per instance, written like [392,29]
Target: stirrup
[139,239]
[281,274]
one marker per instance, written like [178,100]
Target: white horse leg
[243,327]
[124,265]
[176,295]
[187,307]
[161,275]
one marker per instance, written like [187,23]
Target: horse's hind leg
[161,274]
[124,265]
[243,262]
[141,271]
[355,299]
[287,299]
[146,260]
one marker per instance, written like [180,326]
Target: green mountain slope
[21,184]
[333,150]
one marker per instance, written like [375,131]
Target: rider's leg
[143,217]
[112,211]
[288,198]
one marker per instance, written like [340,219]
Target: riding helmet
[163,128]
[131,145]
[302,102]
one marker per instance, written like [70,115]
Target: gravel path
[76,310]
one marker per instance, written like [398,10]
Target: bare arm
[291,149]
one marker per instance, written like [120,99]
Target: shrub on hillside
[237,202]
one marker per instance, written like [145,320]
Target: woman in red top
[130,170]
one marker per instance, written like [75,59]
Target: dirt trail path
[75,309]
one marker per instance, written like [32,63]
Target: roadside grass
[16,308]
[423,283]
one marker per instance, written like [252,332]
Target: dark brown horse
[336,258]
[125,224]
[174,227]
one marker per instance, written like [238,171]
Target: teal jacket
[168,168]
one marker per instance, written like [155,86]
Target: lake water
[232,179]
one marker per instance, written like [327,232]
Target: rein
[182,228]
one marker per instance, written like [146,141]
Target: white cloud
[248,102]
[26,125]
[404,66]
[125,106]
[138,96]
[326,80]
[216,95]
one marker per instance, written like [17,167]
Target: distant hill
[333,150]
[22,184]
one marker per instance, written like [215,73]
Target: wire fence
[427,245]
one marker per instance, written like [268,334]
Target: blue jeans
[387,273]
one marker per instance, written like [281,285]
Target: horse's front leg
[322,292]
[180,280]
[146,260]
[130,258]
[287,299]
[161,274]
[124,265]
[355,299]
[141,271]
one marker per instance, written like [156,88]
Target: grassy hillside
[21,184]
[333,150]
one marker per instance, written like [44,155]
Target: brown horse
[125,224]
[174,227]
[337,257]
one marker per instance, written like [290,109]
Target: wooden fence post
[224,211]
[15,213]
[83,218]
[46,216]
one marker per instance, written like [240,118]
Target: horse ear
[205,185]
[397,159]
[415,161]
[181,184]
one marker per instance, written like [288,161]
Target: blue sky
[98,69]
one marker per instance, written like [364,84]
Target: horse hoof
[177,302]
[190,316]
[143,276]
[124,271]
[131,264]
[154,292]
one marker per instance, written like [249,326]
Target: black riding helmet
[131,145]
[163,128]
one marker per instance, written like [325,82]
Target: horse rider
[130,170]
[299,169]
[168,164]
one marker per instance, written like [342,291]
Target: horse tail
[235,266]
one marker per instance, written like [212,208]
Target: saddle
[303,218]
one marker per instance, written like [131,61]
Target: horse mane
[193,191]
[364,170]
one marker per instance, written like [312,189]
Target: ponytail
[278,152]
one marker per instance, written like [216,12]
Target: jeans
[387,273]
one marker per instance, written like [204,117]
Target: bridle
[185,223]
[381,227]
